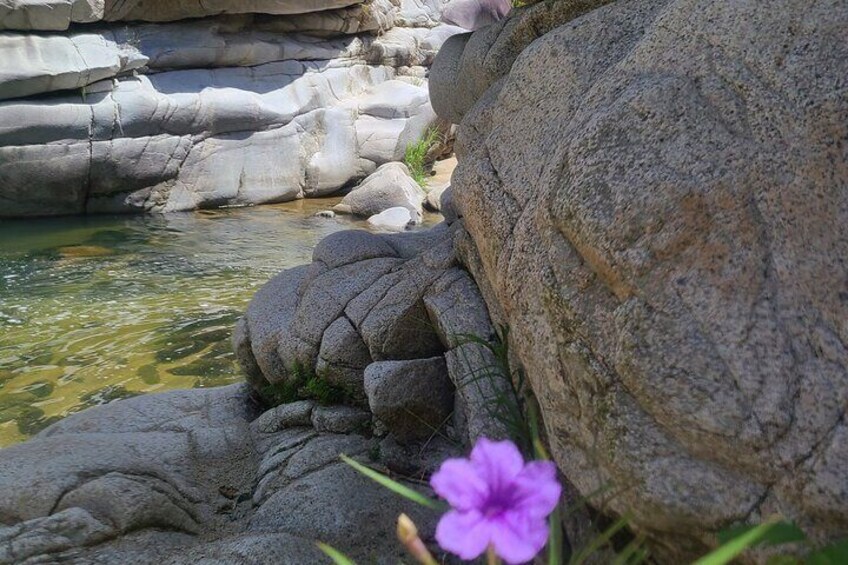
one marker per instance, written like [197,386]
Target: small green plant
[322,391]
[416,155]
[303,384]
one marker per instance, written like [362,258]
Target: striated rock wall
[655,194]
[241,106]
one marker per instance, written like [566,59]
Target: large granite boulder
[224,110]
[655,197]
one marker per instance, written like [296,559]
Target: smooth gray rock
[48,15]
[390,186]
[305,115]
[396,218]
[414,399]
[433,201]
[671,285]
[57,15]
[63,62]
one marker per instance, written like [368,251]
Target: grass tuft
[303,384]
[416,155]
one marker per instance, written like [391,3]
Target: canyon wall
[167,106]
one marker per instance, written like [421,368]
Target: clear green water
[98,308]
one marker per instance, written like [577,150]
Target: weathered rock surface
[664,237]
[414,399]
[226,110]
[184,477]
[390,186]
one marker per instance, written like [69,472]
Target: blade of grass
[555,540]
[599,542]
[390,484]
[337,556]
[632,553]
[727,552]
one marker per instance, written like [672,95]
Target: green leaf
[337,556]
[835,554]
[390,484]
[732,548]
[779,534]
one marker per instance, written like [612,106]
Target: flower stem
[492,557]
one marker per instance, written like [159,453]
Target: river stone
[433,202]
[414,399]
[664,239]
[392,219]
[390,186]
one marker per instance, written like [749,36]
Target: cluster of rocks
[386,319]
[169,106]
[201,475]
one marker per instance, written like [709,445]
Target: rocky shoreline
[649,195]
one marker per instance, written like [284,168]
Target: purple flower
[497,500]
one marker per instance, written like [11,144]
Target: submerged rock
[394,219]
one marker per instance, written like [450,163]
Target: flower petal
[518,538]
[497,462]
[458,482]
[537,489]
[466,534]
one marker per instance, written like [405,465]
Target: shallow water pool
[98,308]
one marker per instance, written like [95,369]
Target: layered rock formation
[656,194]
[243,106]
